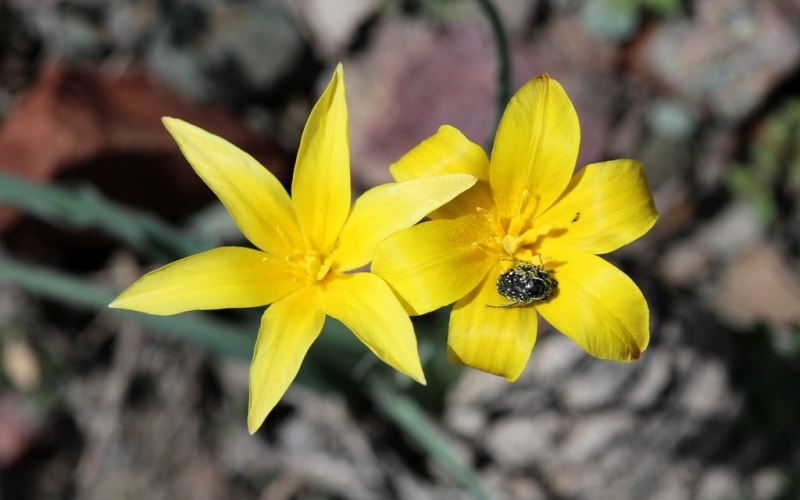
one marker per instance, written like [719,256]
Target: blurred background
[97,404]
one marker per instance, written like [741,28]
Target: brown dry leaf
[15,429]
[88,125]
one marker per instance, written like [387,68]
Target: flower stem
[503,56]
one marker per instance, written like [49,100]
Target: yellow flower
[532,222]
[310,247]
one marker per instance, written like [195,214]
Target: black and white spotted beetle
[525,283]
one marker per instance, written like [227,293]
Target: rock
[651,381]
[719,482]
[476,388]
[720,240]
[768,483]
[601,384]
[709,394]
[20,364]
[554,356]
[517,441]
[760,285]
[466,421]
[331,26]
[731,54]
[217,51]
[593,436]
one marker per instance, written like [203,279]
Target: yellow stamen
[324,268]
[511,244]
[310,266]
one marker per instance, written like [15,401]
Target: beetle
[525,283]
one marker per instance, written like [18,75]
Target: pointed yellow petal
[606,205]
[491,339]
[366,305]
[598,306]
[535,147]
[288,328]
[467,203]
[321,183]
[388,208]
[448,152]
[226,277]
[445,152]
[434,263]
[256,200]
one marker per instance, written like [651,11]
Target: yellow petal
[491,339]
[288,328]
[606,205]
[598,306]
[388,208]
[321,183]
[366,305]
[535,147]
[256,200]
[448,152]
[434,263]
[226,277]
[467,203]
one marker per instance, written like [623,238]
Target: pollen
[310,266]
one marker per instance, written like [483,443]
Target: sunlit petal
[366,305]
[256,200]
[536,146]
[321,183]
[598,306]
[226,277]
[434,263]
[491,339]
[386,209]
[447,151]
[288,328]
[607,205]
[477,197]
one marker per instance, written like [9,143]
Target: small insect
[525,283]
[577,217]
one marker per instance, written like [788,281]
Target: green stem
[406,414]
[503,55]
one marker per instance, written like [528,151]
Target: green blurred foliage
[661,8]
[769,176]
[618,20]
[353,371]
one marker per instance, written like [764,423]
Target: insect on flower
[529,201]
[525,283]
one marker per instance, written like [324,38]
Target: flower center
[311,265]
[517,233]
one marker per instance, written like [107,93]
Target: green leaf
[223,338]
[85,208]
